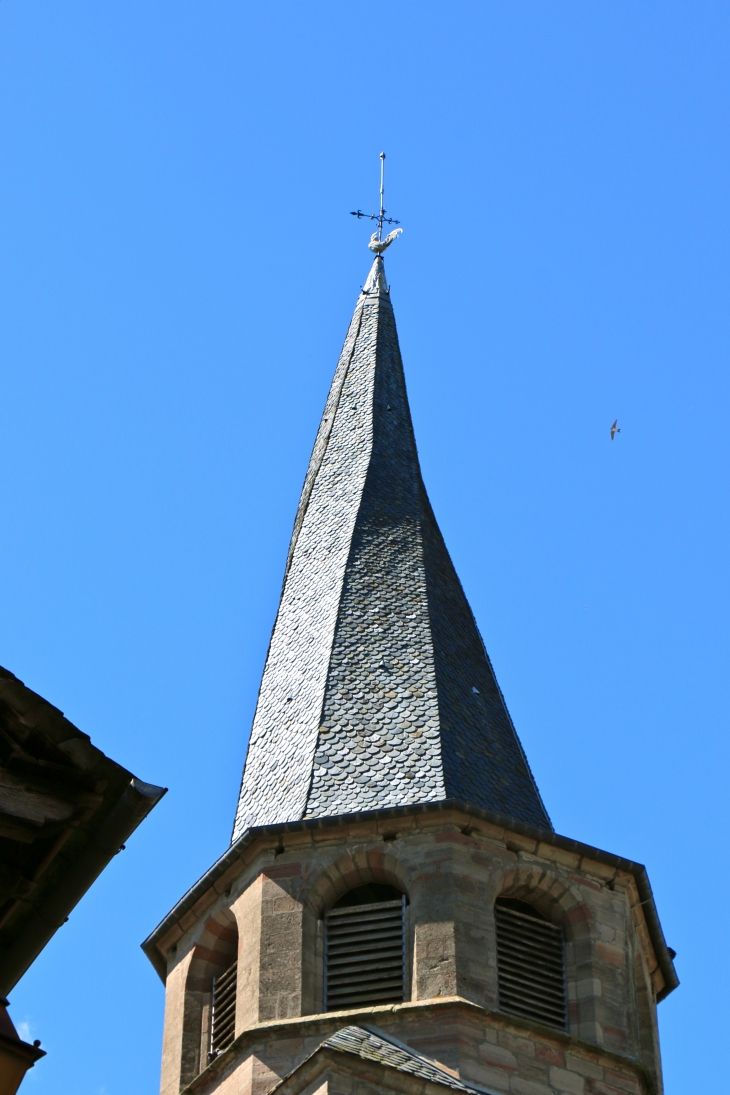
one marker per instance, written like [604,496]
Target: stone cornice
[432,1010]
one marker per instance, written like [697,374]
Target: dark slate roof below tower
[377,689]
[371,1044]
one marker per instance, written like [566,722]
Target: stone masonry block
[584,1066]
[494,1079]
[558,855]
[581,880]
[598,1087]
[552,1054]
[516,842]
[612,956]
[493,832]
[588,988]
[622,1080]
[571,1082]
[598,870]
[517,1043]
[498,1057]
[528,1087]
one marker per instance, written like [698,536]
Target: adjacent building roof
[373,1045]
[377,689]
[65,811]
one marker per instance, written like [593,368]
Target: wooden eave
[65,811]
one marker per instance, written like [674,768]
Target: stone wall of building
[452,867]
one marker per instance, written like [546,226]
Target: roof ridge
[371,1043]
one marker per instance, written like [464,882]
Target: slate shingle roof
[371,1045]
[377,689]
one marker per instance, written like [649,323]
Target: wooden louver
[530,966]
[365,955]
[223,1011]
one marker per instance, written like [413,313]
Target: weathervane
[377,243]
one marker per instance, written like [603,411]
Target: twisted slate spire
[377,689]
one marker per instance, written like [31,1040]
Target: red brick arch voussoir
[352,870]
[214,951]
[560,902]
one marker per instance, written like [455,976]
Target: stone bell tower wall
[452,866]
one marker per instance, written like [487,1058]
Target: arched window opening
[530,963]
[364,948]
[209,1024]
[223,1010]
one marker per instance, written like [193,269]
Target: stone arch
[352,870]
[213,953]
[552,896]
[565,905]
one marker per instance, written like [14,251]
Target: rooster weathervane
[377,244]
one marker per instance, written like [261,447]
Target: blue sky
[177,271]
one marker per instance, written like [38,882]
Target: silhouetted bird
[615,429]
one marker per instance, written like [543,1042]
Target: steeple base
[268,904]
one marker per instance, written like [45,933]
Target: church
[395,912]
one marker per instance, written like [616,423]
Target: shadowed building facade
[395,911]
[66,809]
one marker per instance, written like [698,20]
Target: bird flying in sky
[615,429]
[378,246]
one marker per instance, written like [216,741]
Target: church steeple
[433,933]
[377,689]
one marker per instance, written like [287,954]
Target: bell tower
[395,912]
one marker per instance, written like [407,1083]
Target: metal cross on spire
[377,243]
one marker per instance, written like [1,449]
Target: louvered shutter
[530,967]
[223,1011]
[365,955]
